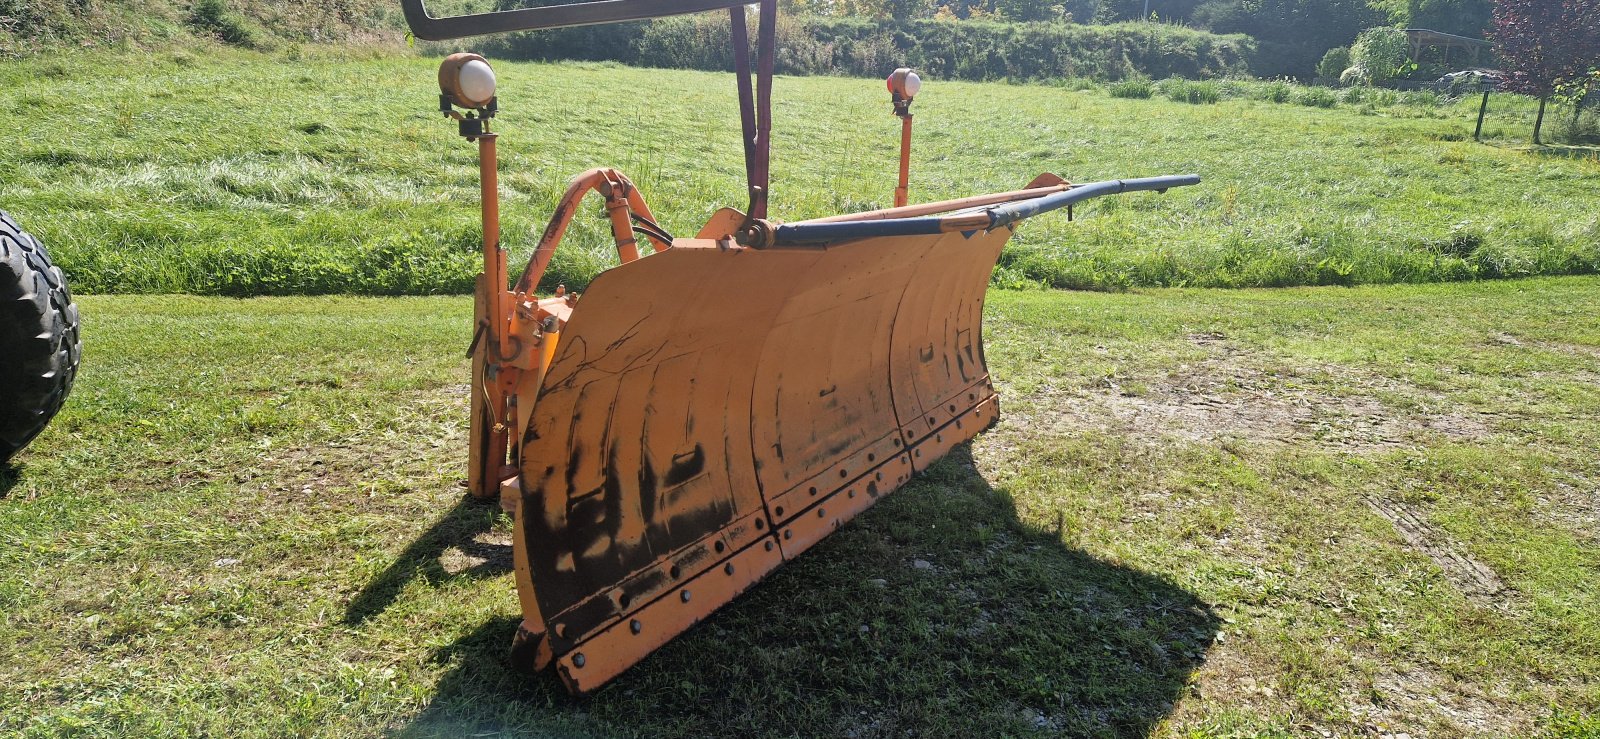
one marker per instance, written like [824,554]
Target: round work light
[905,83]
[467,79]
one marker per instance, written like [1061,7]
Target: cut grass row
[247,523]
[239,173]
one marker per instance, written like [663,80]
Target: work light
[905,83]
[467,80]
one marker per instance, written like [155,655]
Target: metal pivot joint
[474,123]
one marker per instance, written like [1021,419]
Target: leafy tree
[1293,34]
[1546,45]
[1460,17]
[1381,53]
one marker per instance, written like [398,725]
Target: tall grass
[241,173]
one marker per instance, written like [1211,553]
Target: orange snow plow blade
[703,413]
[713,411]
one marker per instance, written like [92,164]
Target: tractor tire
[39,343]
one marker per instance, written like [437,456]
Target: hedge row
[968,50]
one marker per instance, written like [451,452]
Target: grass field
[1205,513]
[226,172]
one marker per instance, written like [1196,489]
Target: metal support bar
[902,191]
[766,31]
[430,28]
[986,219]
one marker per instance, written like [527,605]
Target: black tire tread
[40,345]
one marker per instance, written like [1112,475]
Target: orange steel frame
[662,453]
[517,333]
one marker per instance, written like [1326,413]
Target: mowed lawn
[319,171]
[1204,513]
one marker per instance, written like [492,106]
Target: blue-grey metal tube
[818,233]
[999,215]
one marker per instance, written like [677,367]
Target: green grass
[239,173]
[247,522]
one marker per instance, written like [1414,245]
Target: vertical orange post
[494,257]
[489,408]
[901,192]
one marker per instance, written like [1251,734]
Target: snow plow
[710,409]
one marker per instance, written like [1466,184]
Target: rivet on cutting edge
[635,626]
[728,568]
[578,660]
[684,595]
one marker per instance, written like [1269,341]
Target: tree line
[1292,35]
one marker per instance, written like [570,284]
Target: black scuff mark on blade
[626,335]
[686,466]
[649,491]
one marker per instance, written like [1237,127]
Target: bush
[1381,53]
[969,50]
[1186,91]
[1317,97]
[1579,129]
[1333,64]
[213,16]
[1137,89]
[1276,91]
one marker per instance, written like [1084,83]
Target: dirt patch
[1381,697]
[1228,394]
[432,436]
[1420,701]
[1476,579]
[1573,502]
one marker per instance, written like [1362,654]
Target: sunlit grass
[242,173]
[247,522]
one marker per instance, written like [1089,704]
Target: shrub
[1355,76]
[1317,97]
[1381,52]
[1276,91]
[1138,89]
[1581,128]
[1186,91]
[213,16]
[969,50]
[1333,64]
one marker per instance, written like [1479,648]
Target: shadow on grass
[10,474]
[936,613]
[464,529]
